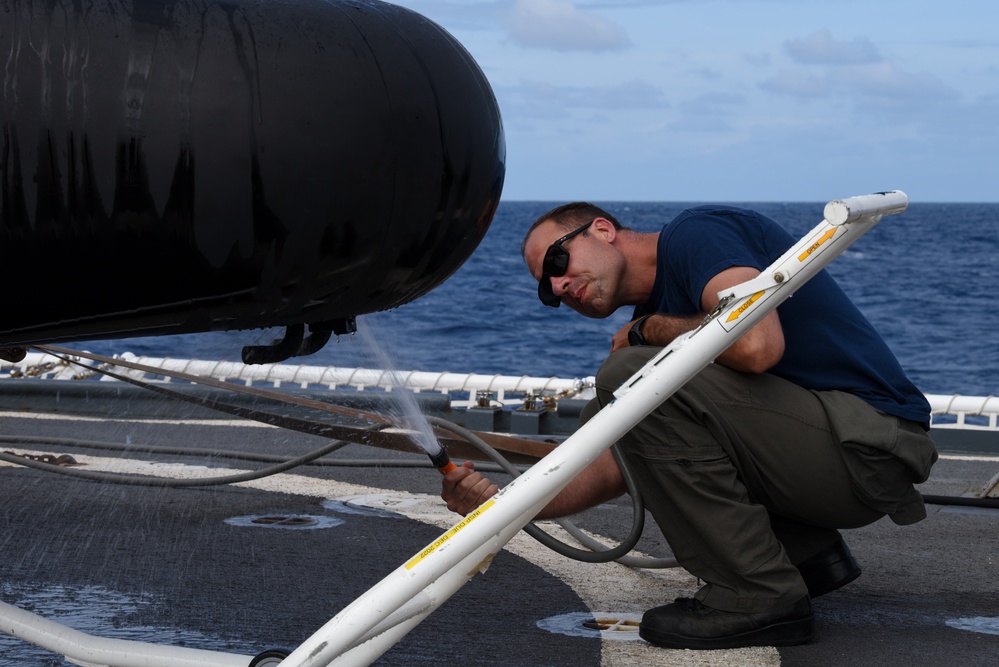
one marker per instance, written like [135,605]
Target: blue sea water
[925,278]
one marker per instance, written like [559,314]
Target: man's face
[587,286]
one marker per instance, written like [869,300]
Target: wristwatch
[635,335]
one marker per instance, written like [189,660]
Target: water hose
[598,553]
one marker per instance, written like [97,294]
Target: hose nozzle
[442,461]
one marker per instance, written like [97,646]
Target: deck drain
[597,624]
[287,521]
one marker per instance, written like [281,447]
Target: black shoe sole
[786,633]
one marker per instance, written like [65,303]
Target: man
[806,424]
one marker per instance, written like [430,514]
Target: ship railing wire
[463,389]
[951,411]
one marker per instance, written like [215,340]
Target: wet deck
[197,566]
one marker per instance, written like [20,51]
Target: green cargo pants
[748,474]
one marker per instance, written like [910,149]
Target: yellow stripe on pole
[415,560]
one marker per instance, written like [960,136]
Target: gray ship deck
[261,565]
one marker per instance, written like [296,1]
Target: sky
[739,100]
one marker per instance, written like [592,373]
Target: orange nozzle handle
[447,468]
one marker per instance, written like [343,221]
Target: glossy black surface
[176,167]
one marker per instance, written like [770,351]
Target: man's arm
[464,489]
[756,351]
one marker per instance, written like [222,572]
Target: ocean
[924,278]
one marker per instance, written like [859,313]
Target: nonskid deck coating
[244,589]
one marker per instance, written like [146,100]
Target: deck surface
[194,566]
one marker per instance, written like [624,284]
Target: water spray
[421,432]
[428,442]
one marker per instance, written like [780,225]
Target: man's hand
[756,351]
[464,489]
[620,339]
[659,329]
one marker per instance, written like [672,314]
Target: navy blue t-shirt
[829,344]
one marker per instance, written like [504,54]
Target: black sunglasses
[554,265]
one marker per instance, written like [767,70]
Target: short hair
[569,217]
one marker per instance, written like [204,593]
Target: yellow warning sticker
[815,246]
[415,560]
[734,315]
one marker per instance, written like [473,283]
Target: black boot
[688,623]
[829,569]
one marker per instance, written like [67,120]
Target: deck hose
[598,553]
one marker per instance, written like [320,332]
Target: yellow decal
[741,309]
[414,561]
[815,246]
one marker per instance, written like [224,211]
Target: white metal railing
[953,412]
[947,411]
[503,389]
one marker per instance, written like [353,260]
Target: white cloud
[544,97]
[761,59]
[559,25]
[707,73]
[886,82]
[797,84]
[713,103]
[882,84]
[708,112]
[691,123]
[918,97]
[475,15]
[822,49]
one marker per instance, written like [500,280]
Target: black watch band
[635,335]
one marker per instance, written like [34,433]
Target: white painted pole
[85,649]
[444,565]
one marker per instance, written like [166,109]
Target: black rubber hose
[145,480]
[36,440]
[599,553]
[991,503]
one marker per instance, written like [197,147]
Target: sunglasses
[554,265]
